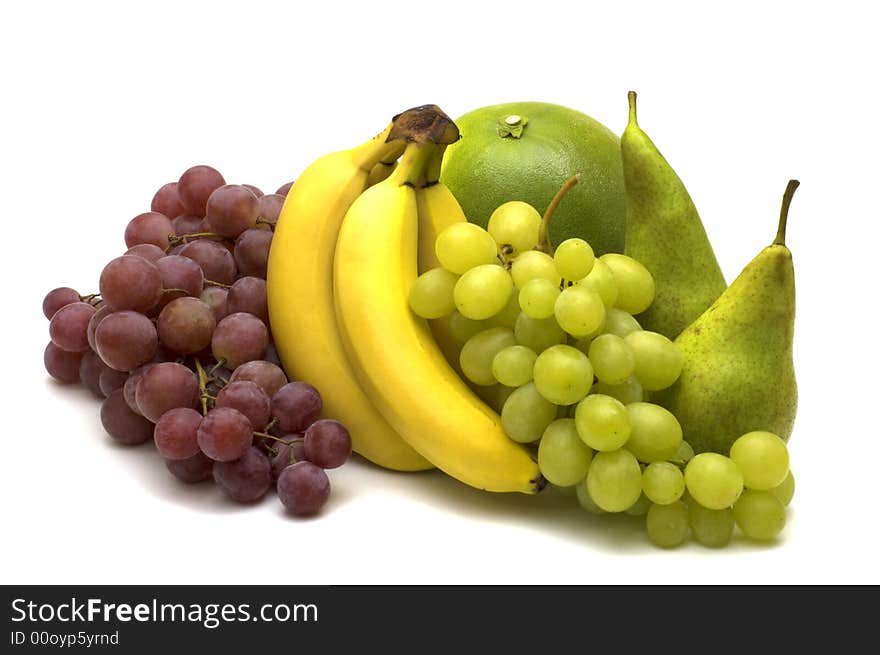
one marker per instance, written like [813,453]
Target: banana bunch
[354,233]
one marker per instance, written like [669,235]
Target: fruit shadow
[551,511]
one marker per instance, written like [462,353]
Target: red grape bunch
[178,345]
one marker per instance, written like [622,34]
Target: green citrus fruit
[525,151]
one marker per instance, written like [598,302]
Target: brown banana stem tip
[424,124]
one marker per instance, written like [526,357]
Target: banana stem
[411,169]
[783,213]
[544,244]
[432,173]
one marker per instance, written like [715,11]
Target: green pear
[664,232]
[738,374]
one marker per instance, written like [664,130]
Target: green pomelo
[500,158]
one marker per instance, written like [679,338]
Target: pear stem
[631,97]
[783,213]
[544,244]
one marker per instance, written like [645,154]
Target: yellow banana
[300,294]
[438,209]
[384,167]
[392,351]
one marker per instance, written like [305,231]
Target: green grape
[663,483]
[579,311]
[602,422]
[785,491]
[513,365]
[533,264]
[563,374]
[615,480]
[759,514]
[710,527]
[463,328]
[515,224]
[479,352]
[463,246]
[431,294]
[538,333]
[526,414]
[628,392]
[502,393]
[508,315]
[537,298]
[564,491]
[667,525]
[574,259]
[584,499]
[620,323]
[684,454]
[763,459]
[635,284]
[562,457]
[612,359]
[601,280]
[643,504]
[658,360]
[483,291]
[656,433]
[713,480]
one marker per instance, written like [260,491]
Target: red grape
[225,434]
[186,325]
[130,386]
[284,189]
[215,298]
[288,453]
[181,274]
[102,312]
[327,443]
[176,433]
[197,468]
[150,252]
[188,224]
[251,252]
[110,380]
[296,405]
[90,369]
[58,298]
[121,423]
[216,261]
[239,338]
[195,186]
[269,377]
[249,399]
[165,386]
[131,282]
[125,340]
[231,210]
[149,227]
[270,207]
[248,294]
[167,201]
[61,364]
[245,479]
[255,190]
[69,326]
[303,488]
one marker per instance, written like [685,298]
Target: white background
[104,102]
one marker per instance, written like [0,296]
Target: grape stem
[266,435]
[92,298]
[177,239]
[214,283]
[544,244]
[203,383]
[265,222]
